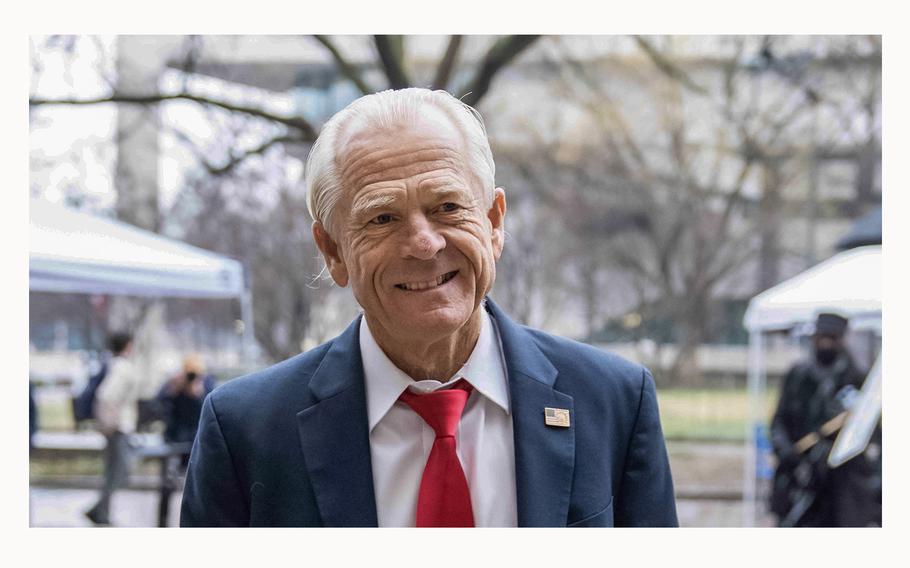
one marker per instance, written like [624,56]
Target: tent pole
[756,377]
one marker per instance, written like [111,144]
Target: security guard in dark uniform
[815,395]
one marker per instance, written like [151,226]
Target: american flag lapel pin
[556,417]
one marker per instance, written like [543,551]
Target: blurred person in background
[116,413]
[181,400]
[815,395]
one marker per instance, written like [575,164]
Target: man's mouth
[428,284]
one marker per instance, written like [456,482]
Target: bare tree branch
[738,251]
[668,67]
[444,71]
[602,106]
[190,146]
[307,132]
[391,54]
[237,159]
[735,196]
[499,55]
[103,73]
[346,68]
[193,48]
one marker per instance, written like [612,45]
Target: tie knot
[440,409]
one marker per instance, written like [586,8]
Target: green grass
[684,413]
[49,467]
[55,415]
[83,465]
[708,413]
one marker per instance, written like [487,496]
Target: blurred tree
[670,185]
[241,201]
[663,176]
[270,233]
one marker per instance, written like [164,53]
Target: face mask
[826,356]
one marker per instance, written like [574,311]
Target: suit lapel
[334,436]
[544,455]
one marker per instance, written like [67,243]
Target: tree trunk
[865,177]
[589,293]
[139,63]
[692,319]
[770,215]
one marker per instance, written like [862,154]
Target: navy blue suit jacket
[289,445]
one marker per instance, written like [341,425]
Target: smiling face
[412,232]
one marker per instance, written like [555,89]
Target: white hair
[382,111]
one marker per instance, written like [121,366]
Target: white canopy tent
[74,252]
[849,283]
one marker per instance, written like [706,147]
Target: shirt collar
[485,370]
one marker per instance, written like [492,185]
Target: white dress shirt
[400,441]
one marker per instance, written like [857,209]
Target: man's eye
[449,207]
[382,219]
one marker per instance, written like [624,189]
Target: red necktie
[444,499]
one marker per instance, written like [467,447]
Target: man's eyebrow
[442,189]
[368,203]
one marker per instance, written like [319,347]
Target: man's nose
[423,241]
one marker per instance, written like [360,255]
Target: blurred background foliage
[654,183]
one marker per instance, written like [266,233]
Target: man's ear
[496,215]
[331,253]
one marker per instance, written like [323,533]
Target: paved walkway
[64,508]
[699,468]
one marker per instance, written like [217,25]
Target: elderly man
[433,408]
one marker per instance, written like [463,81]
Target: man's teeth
[428,284]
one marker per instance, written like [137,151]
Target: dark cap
[830,324]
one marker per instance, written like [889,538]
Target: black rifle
[805,471]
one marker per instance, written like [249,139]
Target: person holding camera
[181,400]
